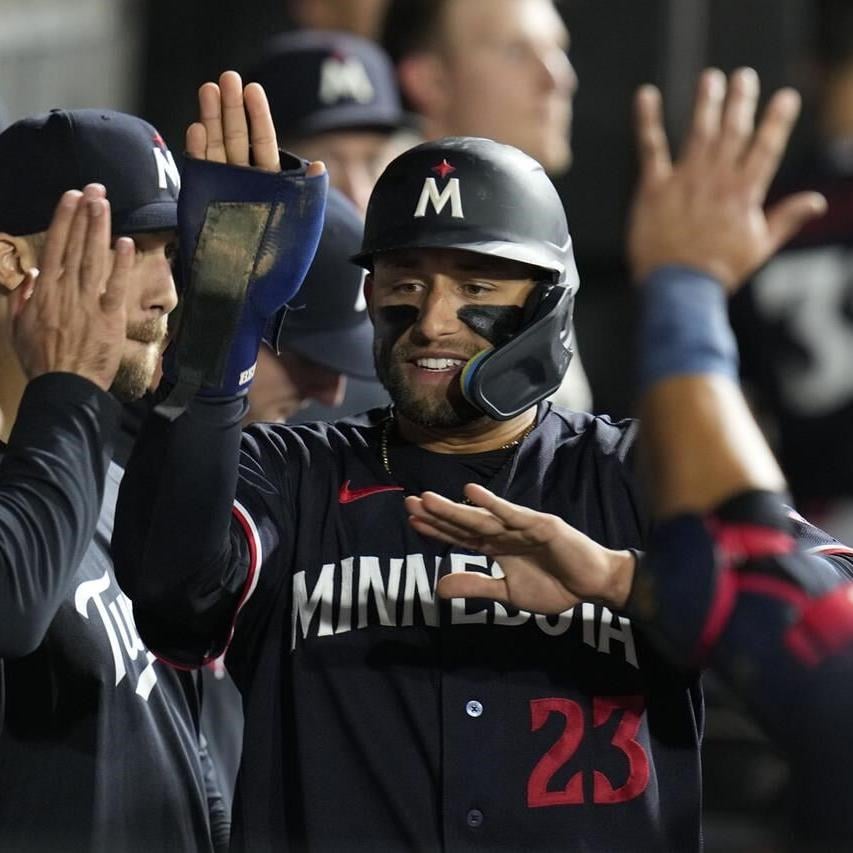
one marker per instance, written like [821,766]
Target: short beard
[450,412]
[135,373]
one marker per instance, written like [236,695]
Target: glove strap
[223,266]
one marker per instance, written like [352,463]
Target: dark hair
[411,26]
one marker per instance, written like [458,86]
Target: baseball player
[99,748]
[734,578]
[378,715]
[334,98]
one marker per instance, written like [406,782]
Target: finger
[261,128]
[315,169]
[57,233]
[474,519]
[196,140]
[705,124]
[115,294]
[426,529]
[468,536]
[652,144]
[235,128]
[210,113]
[508,514]
[93,265]
[473,585]
[763,158]
[788,216]
[76,243]
[738,115]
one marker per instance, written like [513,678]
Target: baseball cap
[322,80]
[44,155]
[327,321]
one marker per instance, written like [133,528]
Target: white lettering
[370,578]
[458,612]
[563,623]
[615,627]
[418,582]
[305,607]
[345,78]
[166,169]
[431,195]
[345,611]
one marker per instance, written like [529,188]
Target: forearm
[171,544]
[699,440]
[51,487]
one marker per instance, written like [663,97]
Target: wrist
[621,568]
[684,327]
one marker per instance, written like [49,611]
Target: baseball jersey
[99,746]
[794,323]
[378,716]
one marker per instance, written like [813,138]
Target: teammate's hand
[69,315]
[548,565]
[224,134]
[706,210]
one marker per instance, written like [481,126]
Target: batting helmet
[489,198]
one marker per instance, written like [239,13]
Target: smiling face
[433,310]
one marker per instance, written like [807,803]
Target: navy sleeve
[178,554]
[51,487]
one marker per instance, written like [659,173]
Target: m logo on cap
[166,168]
[345,77]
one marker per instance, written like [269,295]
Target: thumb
[473,585]
[788,216]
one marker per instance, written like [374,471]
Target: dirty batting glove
[247,240]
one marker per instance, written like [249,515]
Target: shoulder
[594,433]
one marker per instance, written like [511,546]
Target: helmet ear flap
[505,381]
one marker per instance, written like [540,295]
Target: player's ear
[16,257]
[423,79]
[368,294]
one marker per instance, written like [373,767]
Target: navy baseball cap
[44,155]
[327,320]
[323,80]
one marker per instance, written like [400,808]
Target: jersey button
[473,708]
[474,818]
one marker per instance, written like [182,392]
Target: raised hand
[235,126]
[548,565]
[706,210]
[69,315]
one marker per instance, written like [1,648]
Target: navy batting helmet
[490,198]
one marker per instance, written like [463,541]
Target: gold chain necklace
[388,425]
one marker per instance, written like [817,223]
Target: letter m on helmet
[438,200]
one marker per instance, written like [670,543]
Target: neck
[13,381]
[477,437]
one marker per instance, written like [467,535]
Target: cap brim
[157,216]
[348,351]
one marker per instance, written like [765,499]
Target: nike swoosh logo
[346,495]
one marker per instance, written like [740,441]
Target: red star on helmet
[443,169]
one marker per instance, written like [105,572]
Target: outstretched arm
[248,233]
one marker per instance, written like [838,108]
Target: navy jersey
[794,323]
[98,740]
[378,717]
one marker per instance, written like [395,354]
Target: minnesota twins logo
[343,78]
[430,194]
[167,171]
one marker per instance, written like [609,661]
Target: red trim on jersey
[774,588]
[825,627]
[719,612]
[747,541]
